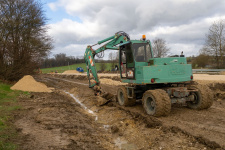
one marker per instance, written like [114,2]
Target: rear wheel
[122,97]
[203,97]
[156,102]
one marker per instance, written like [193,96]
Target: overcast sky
[74,24]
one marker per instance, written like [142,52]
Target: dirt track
[56,121]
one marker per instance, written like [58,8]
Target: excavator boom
[89,56]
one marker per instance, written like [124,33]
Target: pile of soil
[28,83]
[111,82]
[70,72]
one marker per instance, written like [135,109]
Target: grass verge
[7,106]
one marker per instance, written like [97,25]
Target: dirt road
[70,118]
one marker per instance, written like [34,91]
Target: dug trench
[56,121]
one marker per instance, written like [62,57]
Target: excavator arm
[112,43]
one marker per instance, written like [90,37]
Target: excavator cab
[131,53]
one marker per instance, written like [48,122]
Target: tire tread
[162,100]
[127,101]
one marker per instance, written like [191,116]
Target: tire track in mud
[149,121]
[152,122]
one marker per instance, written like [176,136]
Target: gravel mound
[28,83]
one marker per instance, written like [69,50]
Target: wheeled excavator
[158,82]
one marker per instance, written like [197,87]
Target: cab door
[127,65]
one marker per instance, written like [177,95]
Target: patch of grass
[7,146]
[2,125]
[73,67]
[7,106]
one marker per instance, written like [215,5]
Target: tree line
[61,60]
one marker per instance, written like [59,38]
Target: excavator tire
[203,97]
[122,97]
[156,102]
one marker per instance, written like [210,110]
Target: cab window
[142,52]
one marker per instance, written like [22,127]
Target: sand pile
[70,72]
[27,83]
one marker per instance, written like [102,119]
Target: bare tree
[160,48]
[23,39]
[215,42]
[112,58]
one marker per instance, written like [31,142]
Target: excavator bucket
[105,98]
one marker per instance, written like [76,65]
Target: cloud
[188,49]
[183,24]
[52,6]
[75,50]
[68,31]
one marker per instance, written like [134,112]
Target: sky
[183,24]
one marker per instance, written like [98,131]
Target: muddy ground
[57,121]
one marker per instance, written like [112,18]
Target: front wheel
[156,102]
[122,97]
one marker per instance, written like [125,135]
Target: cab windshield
[142,52]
